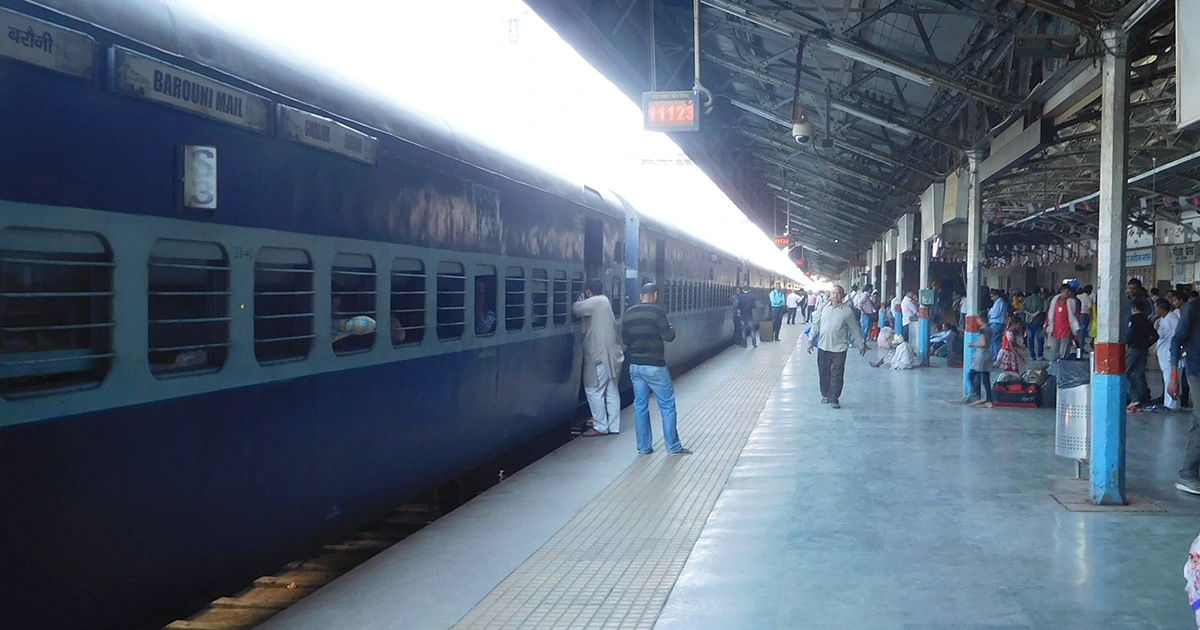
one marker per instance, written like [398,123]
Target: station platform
[904,509]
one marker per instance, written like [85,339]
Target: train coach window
[576,291]
[485,300]
[614,296]
[408,301]
[188,307]
[55,310]
[561,297]
[451,300]
[541,298]
[353,318]
[514,299]
[283,305]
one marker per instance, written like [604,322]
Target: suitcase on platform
[766,331]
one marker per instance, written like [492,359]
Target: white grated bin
[1073,417]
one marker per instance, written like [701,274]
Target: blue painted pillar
[1107,469]
[923,336]
[974,240]
[970,336]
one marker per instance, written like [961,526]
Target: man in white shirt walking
[793,303]
[836,330]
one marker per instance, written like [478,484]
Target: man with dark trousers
[836,329]
[644,329]
[778,303]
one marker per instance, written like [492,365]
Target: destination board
[147,78]
[320,132]
[45,45]
[671,111]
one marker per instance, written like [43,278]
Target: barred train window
[485,300]
[576,291]
[561,297]
[55,311]
[283,305]
[451,300]
[188,307]
[514,299]
[541,298]
[408,301]
[352,298]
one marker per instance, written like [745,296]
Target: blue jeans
[865,320]
[1037,341]
[646,379]
[997,339]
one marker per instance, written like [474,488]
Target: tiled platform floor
[902,510]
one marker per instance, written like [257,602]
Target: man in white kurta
[602,359]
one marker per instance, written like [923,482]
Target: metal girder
[870,215]
[867,153]
[842,229]
[874,180]
[1058,9]
[887,121]
[859,52]
[825,178]
[870,19]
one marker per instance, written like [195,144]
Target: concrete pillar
[1108,378]
[888,248]
[974,236]
[898,314]
[923,316]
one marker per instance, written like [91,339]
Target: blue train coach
[195,234]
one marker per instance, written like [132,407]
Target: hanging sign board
[671,111]
[1139,257]
[1185,253]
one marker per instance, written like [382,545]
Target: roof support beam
[869,215]
[792,150]
[1058,9]
[852,148]
[887,121]
[825,178]
[870,19]
[861,53]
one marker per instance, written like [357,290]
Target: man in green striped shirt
[644,330]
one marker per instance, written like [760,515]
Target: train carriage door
[660,262]
[593,248]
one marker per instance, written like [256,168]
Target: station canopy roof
[901,89]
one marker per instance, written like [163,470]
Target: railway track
[270,595]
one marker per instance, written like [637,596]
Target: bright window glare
[494,69]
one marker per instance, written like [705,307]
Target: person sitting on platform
[903,357]
[884,346]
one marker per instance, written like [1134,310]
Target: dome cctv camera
[802,132]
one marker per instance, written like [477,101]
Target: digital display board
[671,111]
[783,240]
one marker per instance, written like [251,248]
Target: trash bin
[1073,405]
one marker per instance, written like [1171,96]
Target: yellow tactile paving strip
[614,564]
